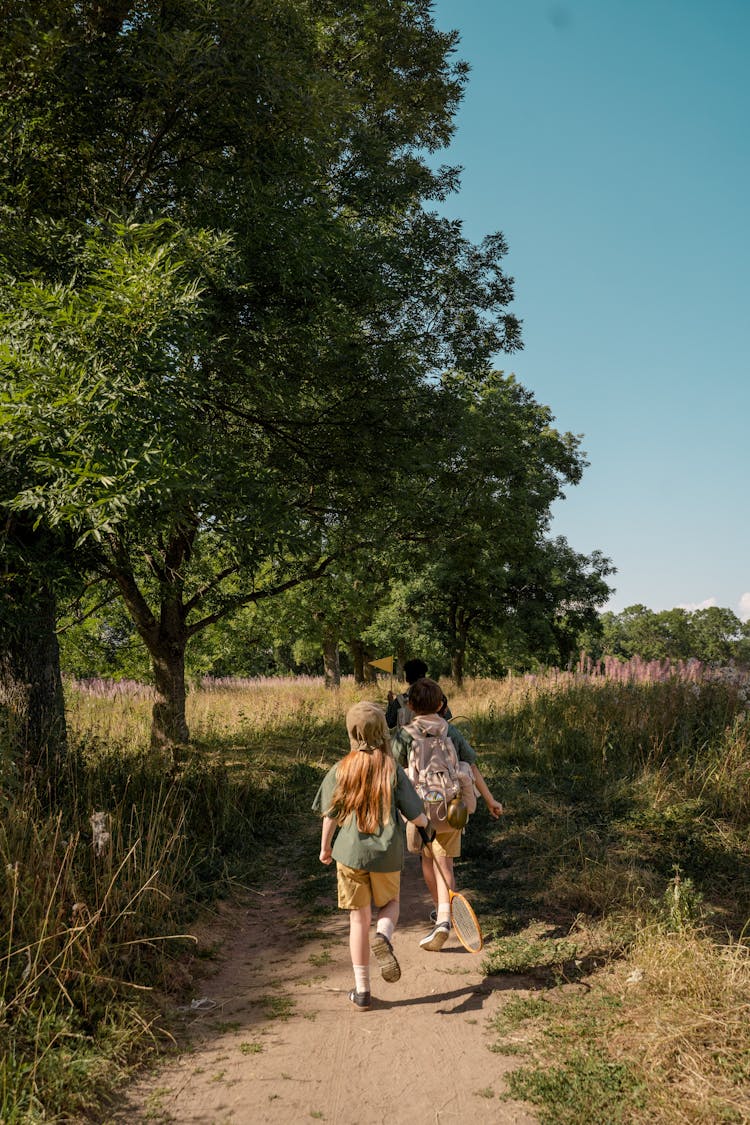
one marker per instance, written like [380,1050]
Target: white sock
[362,978]
[444,912]
[386,926]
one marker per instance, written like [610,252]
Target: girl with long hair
[360,800]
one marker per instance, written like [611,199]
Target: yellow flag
[386,664]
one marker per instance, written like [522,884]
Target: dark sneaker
[437,938]
[360,1000]
[433,919]
[389,967]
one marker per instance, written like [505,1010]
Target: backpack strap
[423,732]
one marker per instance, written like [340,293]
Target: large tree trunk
[165,638]
[32,711]
[357,650]
[457,667]
[167,645]
[331,669]
[168,723]
[371,675]
[460,622]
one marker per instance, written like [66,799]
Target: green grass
[529,955]
[624,857]
[86,935]
[585,1088]
[320,959]
[572,1079]
[278,1007]
[251,1048]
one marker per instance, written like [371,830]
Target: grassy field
[618,882]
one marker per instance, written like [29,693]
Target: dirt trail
[279,1042]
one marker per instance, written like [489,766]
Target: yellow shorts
[360,888]
[448,842]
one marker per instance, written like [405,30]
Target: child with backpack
[442,767]
[360,800]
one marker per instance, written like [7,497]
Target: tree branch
[260,595]
[80,619]
[199,595]
[179,548]
[121,573]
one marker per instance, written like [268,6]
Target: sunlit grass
[663,1035]
[612,778]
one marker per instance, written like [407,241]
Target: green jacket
[378,851]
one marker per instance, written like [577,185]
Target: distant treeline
[713,635]
[107,646]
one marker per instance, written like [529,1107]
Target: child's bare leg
[445,863]
[359,947]
[359,935]
[444,880]
[436,886]
[388,917]
[438,873]
[428,873]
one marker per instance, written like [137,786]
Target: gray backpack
[433,766]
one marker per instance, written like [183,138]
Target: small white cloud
[743,609]
[692,606]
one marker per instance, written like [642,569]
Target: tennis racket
[463,919]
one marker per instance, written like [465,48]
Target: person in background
[398,712]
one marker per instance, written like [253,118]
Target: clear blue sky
[608,140]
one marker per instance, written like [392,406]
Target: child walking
[360,800]
[425,698]
[398,713]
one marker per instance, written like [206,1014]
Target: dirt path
[277,1040]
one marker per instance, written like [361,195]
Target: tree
[332,614]
[32,714]
[560,600]
[715,634]
[222,265]
[635,631]
[485,566]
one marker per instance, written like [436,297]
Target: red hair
[364,786]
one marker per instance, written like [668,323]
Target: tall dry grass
[93,910]
[630,826]
[103,864]
[95,893]
[685,1022]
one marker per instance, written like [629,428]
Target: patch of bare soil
[273,1037]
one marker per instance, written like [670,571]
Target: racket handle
[426,837]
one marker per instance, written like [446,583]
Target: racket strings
[465,924]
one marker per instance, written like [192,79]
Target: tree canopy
[226,294]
